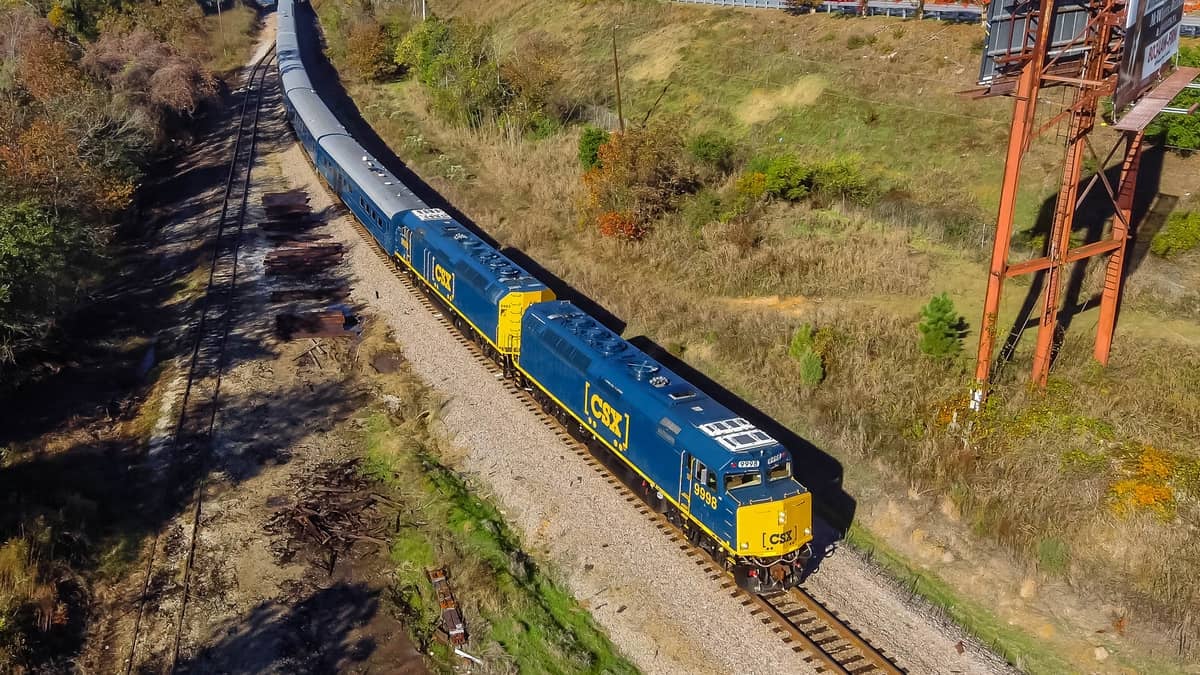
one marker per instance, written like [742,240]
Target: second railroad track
[183,461]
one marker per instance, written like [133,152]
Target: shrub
[787,178]
[748,192]
[703,208]
[620,226]
[941,328]
[806,350]
[1180,132]
[713,149]
[1179,235]
[638,174]
[842,178]
[369,50]
[589,146]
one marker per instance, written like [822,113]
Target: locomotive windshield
[734,481]
[779,472]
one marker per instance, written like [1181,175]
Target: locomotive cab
[773,523]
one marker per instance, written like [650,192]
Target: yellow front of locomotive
[775,529]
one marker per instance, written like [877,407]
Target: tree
[456,62]
[589,146]
[942,329]
[533,72]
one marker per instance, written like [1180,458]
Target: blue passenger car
[311,119]
[716,468]
[376,197]
[486,289]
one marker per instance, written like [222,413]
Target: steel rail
[253,92]
[261,68]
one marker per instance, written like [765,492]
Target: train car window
[699,471]
[741,480]
[711,482]
[782,471]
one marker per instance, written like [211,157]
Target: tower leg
[1116,262]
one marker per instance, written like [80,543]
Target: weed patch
[516,613]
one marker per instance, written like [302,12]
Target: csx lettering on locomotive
[606,415]
[781,537]
[444,278]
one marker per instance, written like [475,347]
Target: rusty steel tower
[1094,49]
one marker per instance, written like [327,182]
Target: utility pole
[617,75]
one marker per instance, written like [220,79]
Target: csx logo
[781,537]
[604,413]
[443,277]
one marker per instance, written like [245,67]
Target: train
[727,484]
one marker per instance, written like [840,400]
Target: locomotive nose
[775,528]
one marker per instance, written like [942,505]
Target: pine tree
[941,328]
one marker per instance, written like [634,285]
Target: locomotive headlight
[782,517]
[745,546]
[808,530]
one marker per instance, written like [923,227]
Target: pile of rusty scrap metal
[303,257]
[298,250]
[453,627]
[333,509]
[336,321]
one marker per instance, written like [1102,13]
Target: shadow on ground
[1089,226]
[310,634]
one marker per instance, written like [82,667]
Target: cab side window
[701,475]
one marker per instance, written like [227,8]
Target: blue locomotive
[728,484]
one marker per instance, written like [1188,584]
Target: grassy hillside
[1081,489]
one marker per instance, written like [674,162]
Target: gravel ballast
[656,603]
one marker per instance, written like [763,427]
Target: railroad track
[826,642]
[162,606]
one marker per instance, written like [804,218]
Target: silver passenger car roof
[389,194]
[317,117]
[291,67]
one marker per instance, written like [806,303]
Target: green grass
[518,609]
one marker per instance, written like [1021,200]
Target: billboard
[1011,26]
[1151,40]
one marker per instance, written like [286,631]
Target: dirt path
[251,609]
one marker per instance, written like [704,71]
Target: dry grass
[1035,474]
[231,37]
[765,105]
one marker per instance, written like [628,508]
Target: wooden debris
[303,257]
[295,197]
[333,509]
